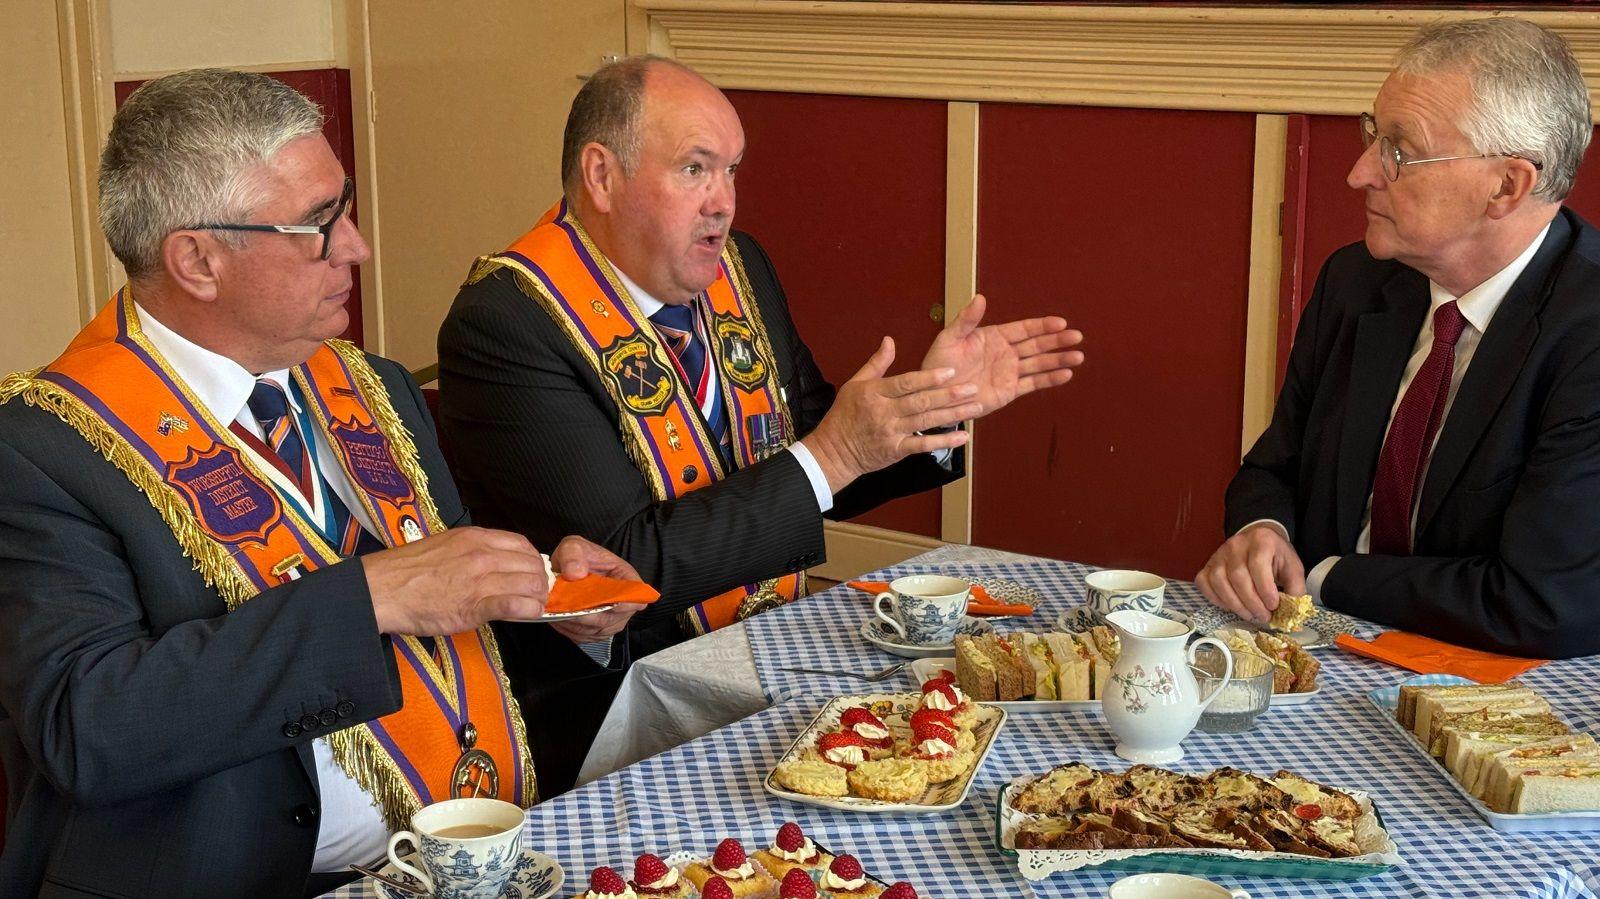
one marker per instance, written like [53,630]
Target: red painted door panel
[847,196]
[1134,224]
[330,88]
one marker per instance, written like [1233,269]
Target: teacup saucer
[877,633]
[1082,618]
[537,877]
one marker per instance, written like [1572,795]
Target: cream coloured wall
[39,300]
[151,37]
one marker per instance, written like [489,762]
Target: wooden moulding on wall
[1253,59]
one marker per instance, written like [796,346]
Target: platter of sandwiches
[1222,821]
[1024,672]
[1505,749]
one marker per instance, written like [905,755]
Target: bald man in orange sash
[628,370]
[243,626]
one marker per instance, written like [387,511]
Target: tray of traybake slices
[1512,757]
[1224,821]
[888,752]
[791,864]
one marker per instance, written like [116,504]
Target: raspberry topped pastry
[860,721]
[716,888]
[728,862]
[797,884]
[843,748]
[900,890]
[654,879]
[792,851]
[945,696]
[604,883]
[845,878]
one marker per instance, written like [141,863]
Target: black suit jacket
[1506,548]
[144,731]
[533,440]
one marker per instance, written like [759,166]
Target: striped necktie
[676,325]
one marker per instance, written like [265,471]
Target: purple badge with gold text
[231,504]
[372,463]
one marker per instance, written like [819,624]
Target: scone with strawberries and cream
[943,695]
[863,723]
[792,850]
[744,877]
[935,746]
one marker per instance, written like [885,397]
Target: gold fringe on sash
[215,565]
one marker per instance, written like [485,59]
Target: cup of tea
[1113,589]
[924,609]
[1172,886]
[468,848]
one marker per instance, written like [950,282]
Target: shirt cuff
[819,481]
[1274,523]
[1315,578]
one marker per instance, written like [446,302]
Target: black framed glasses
[1390,159]
[325,229]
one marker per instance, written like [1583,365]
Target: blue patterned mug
[1113,589]
[924,609]
[469,848]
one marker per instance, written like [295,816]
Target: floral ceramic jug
[1154,701]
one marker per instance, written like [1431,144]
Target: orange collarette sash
[115,389]
[662,428]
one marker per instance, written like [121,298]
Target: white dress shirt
[1478,307]
[351,828]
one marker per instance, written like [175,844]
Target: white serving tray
[1387,699]
[898,706]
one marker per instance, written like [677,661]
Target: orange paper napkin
[981,602]
[1428,656]
[594,591]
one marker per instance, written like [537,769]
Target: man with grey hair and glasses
[243,627]
[1433,463]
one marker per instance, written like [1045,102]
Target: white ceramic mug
[469,848]
[924,609]
[1172,886]
[1114,589]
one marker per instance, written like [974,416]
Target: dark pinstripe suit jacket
[534,442]
[143,732]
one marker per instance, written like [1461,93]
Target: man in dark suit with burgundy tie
[1434,457]
[629,369]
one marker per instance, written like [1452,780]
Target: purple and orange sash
[662,428]
[115,389]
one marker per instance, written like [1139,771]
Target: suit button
[345,709]
[309,721]
[327,717]
[303,815]
[292,729]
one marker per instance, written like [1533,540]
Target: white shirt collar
[648,305]
[1479,304]
[222,385]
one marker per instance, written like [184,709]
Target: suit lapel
[1495,366]
[1382,346]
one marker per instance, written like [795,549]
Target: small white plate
[877,633]
[537,877]
[1295,698]
[1081,618]
[925,669]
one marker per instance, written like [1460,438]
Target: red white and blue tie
[678,327]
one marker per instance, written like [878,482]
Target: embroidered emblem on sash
[642,383]
[371,462]
[170,423]
[233,506]
[741,361]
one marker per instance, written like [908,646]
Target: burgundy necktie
[1405,451]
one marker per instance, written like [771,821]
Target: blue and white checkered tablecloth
[691,797]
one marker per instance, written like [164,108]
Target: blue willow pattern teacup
[468,848]
[924,609]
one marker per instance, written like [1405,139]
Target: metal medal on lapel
[768,432]
[170,423]
[410,530]
[475,768]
